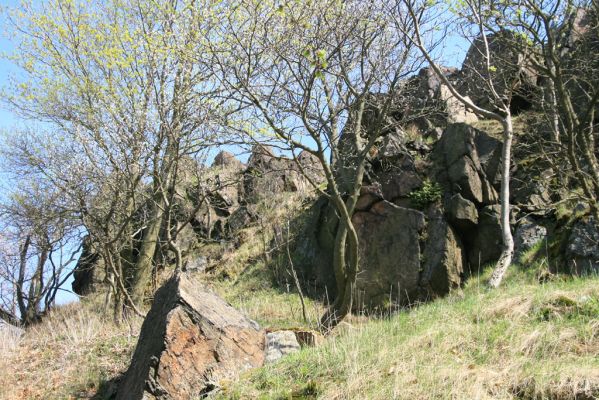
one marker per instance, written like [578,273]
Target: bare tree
[36,260]
[305,77]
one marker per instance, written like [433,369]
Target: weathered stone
[531,190]
[365,201]
[389,253]
[462,213]
[467,160]
[466,179]
[190,340]
[528,234]
[443,264]
[197,264]
[226,159]
[311,168]
[241,218]
[582,248]
[455,109]
[280,344]
[488,241]
[88,272]
[267,174]
[513,74]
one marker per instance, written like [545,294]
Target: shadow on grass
[107,389]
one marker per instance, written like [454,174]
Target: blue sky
[7,118]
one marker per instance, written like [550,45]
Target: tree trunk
[508,241]
[143,266]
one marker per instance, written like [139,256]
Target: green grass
[254,293]
[524,340]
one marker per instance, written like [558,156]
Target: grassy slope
[525,340]
[69,355]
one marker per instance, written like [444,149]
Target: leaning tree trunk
[508,241]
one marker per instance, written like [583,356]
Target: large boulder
[389,253]
[190,340]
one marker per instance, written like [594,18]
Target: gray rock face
[280,344]
[462,213]
[487,244]
[528,234]
[190,340]
[226,159]
[582,249]
[443,264]
[455,109]
[433,95]
[512,70]
[390,257]
[267,174]
[467,161]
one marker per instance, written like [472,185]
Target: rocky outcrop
[412,251]
[582,247]
[511,72]
[190,340]
[267,174]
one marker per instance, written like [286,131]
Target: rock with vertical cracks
[190,340]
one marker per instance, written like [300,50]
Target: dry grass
[9,339]
[69,355]
[525,341]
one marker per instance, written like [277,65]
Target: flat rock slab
[190,340]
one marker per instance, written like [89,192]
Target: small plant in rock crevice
[430,192]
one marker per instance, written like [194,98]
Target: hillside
[260,199]
[530,340]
